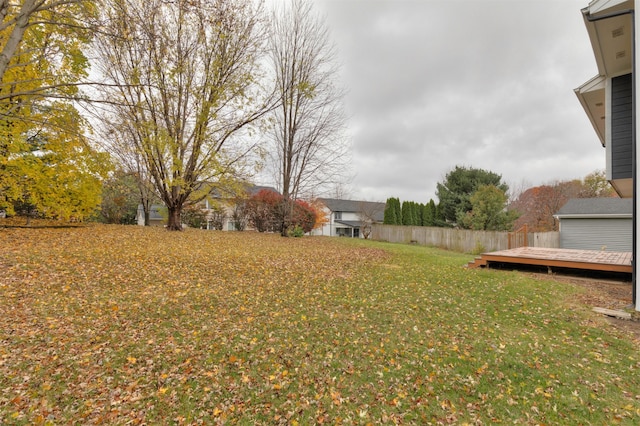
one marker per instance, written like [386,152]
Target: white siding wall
[329,228]
[350,216]
[326,228]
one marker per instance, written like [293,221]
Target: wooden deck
[606,261]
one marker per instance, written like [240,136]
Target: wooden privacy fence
[460,240]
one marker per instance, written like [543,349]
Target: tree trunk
[16,35]
[174,223]
[146,209]
[286,212]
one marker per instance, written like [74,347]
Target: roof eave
[591,96]
[594,216]
[611,37]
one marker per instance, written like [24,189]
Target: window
[337,215]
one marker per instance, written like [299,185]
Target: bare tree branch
[310,150]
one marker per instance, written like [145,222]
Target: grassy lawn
[119,325]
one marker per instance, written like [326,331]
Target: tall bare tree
[182,75]
[310,150]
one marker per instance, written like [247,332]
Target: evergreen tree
[398,209]
[406,213]
[390,213]
[439,217]
[429,214]
[459,185]
[412,214]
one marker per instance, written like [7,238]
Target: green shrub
[478,249]
[296,231]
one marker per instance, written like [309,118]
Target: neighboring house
[348,218]
[227,205]
[157,215]
[596,224]
[218,212]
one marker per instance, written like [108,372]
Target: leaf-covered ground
[132,325]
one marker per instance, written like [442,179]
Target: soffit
[592,98]
[624,187]
[611,37]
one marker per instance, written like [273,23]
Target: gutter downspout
[634,232]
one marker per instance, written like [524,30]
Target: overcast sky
[480,83]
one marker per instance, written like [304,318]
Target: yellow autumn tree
[52,170]
[50,32]
[46,163]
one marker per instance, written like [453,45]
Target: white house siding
[596,234]
[325,229]
[331,228]
[344,217]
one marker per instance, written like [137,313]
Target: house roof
[596,208]
[246,189]
[376,209]
[591,96]
[254,189]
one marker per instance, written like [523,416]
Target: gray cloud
[435,84]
